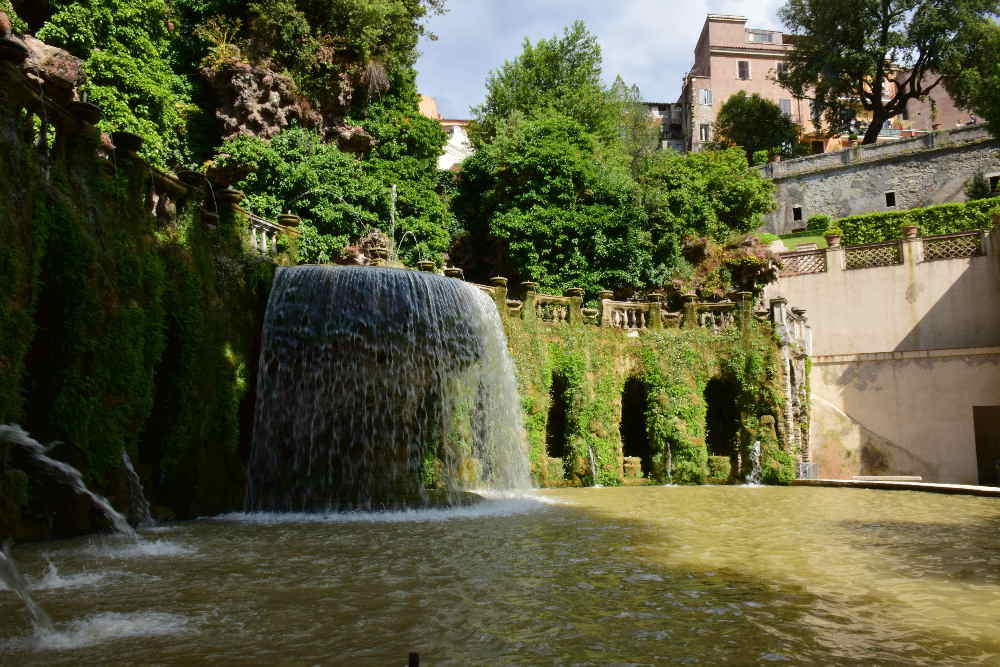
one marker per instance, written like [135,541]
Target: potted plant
[833,236]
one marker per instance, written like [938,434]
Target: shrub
[719,468]
[940,219]
[819,223]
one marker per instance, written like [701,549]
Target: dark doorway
[722,419]
[986,421]
[555,425]
[635,437]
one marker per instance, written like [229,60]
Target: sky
[649,42]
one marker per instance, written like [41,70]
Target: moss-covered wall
[675,366]
[120,330]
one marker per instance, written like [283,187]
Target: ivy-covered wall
[674,366]
[120,330]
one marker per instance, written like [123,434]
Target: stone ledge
[931,487]
[833,359]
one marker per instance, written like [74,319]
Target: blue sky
[649,42]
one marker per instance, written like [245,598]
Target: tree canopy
[754,124]
[848,53]
[974,75]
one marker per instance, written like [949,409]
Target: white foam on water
[140,549]
[53,580]
[496,504]
[101,628]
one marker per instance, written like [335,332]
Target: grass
[792,241]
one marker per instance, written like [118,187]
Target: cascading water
[11,576]
[138,511]
[755,475]
[593,466]
[15,435]
[378,384]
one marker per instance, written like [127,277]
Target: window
[994,183]
[760,36]
[796,214]
[818,147]
[705,132]
[890,198]
[782,68]
[743,66]
[786,106]
[705,96]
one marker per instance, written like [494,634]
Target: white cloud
[649,42]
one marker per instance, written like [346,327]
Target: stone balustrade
[263,234]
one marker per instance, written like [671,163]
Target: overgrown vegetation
[674,366]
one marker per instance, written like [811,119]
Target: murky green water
[647,575]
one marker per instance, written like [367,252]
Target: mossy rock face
[719,469]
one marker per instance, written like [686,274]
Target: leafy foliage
[973,75]
[850,53]
[754,124]
[555,212]
[127,51]
[16,22]
[940,219]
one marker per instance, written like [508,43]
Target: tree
[540,203]
[754,124]
[848,52]
[973,75]
[561,74]
[712,194]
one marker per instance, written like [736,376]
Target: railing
[803,262]
[625,314]
[552,309]
[872,255]
[717,316]
[953,246]
[263,234]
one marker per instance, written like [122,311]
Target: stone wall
[906,343]
[929,169]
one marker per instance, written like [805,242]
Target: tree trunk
[871,134]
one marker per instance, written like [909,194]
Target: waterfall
[754,477]
[138,507]
[593,466]
[11,576]
[381,388]
[15,435]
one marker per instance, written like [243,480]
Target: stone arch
[557,444]
[634,429]
[722,417]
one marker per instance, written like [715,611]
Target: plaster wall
[906,413]
[902,354]
[932,169]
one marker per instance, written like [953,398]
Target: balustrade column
[528,309]
[655,319]
[575,314]
[744,310]
[605,297]
[499,284]
[690,311]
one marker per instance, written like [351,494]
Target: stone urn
[127,142]
[498,281]
[426,265]
[229,195]
[832,239]
[288,219]
[910,231]
[605,294]
[454,272]
[575,291]
[85,112]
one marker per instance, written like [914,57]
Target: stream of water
[634,575]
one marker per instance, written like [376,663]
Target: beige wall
[919,305]
[906,413]
[902,354]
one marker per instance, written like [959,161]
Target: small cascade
[381,388]
[11,576]
[15,435]
[754,477]
[670,464]
[593,466]
[139,513]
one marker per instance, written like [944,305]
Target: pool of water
[637,576]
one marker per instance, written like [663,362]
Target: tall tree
[754,124]
[847,52]
[561,74]
[974,75]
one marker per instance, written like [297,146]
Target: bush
[719,468]
[940,219]
[819,223]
